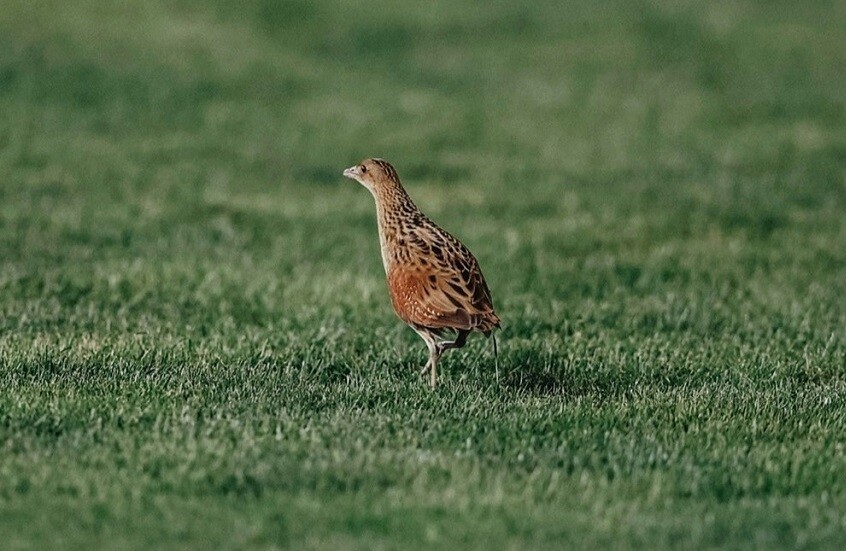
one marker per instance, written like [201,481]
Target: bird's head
[374,174]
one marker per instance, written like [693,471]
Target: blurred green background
[196,345]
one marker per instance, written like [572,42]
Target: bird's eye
[363,169]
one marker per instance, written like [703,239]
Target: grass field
[196,345]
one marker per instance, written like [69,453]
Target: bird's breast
[403,289]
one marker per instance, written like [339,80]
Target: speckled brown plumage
[435,282]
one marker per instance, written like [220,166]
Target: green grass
[196,345]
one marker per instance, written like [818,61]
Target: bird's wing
[442,286]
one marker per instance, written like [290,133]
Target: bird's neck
[395,212]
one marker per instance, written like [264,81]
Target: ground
[197,349]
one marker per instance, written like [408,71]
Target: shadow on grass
[596,375]
[538,373]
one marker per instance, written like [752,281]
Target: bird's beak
[352,172]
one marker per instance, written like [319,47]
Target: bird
[435,283]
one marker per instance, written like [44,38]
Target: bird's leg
[460,340]
[428,365]
[433,370]
[432,345]
[440,348]
[436,349]
[434,355]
